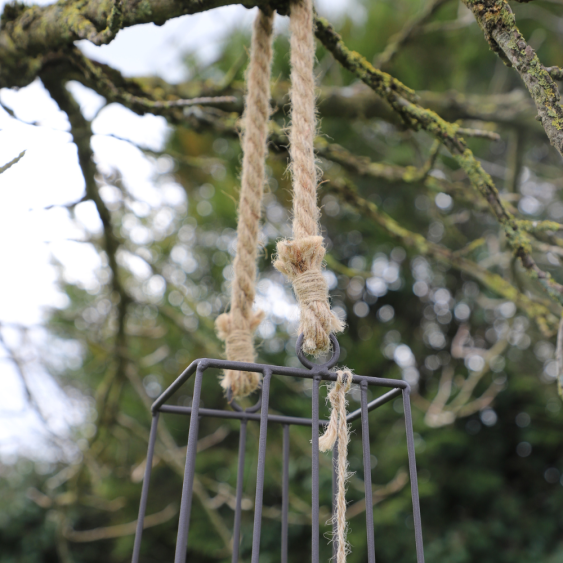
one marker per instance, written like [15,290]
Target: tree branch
[417,117]
[542,315]
[400,39]
[120,530]
[31,34]
[499,26]
[12,162]
[81,132]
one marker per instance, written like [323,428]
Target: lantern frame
[259,413]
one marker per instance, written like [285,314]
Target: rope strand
[301,259]
[237,326]
[337,429]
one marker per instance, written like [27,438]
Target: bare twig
[480,133]
[539,312]
[380,493]
[120,530]
[559,358]
[12,162]
[400,39]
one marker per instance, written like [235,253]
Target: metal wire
[316,372]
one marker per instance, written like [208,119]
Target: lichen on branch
[499,26]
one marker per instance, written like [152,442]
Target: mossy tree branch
[542,315]
[30,35]
[499,26]
[416,117]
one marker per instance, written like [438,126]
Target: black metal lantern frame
[259,413]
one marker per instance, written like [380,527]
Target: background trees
[441,209]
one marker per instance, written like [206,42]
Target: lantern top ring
[315,367]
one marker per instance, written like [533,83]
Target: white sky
[48,175]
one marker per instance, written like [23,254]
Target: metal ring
[308,364]
[238,408]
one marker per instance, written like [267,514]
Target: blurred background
[97,317]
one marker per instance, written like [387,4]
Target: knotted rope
[337,429]
[301,259]
[237,326]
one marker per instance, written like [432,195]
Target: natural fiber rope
[338,429]
[237,326]
[301,259]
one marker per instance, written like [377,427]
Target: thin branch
[499,26]
[540,313]
[380,493]
[555,72]
[417,117]
[539,227]
[81,132]
[400,39]
[188,102]
[559,358]
[120,530]
[12,162]
[480,133]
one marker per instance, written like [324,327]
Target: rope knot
[301,262]
[337,429]
[239,347]
[310,286]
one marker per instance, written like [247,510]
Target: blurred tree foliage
[419,266]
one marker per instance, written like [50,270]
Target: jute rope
[337,429]
[237,326]
[301,259]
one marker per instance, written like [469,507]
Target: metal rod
[245,415]
[367,472]
[240,480]
[315,471]
[321,370]
[334,494]
[317,373]
[189,472]
[414,480]
[285,494]
[145,491]
[374,404]
[176,384]
[261,467]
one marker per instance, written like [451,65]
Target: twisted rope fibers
[337,429]
[237,326]
[301,259]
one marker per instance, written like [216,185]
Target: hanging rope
[301,259]
[337,429]
[237,326]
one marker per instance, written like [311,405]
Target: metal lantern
[259,413]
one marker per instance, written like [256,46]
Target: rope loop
[239,347]
[237,327]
